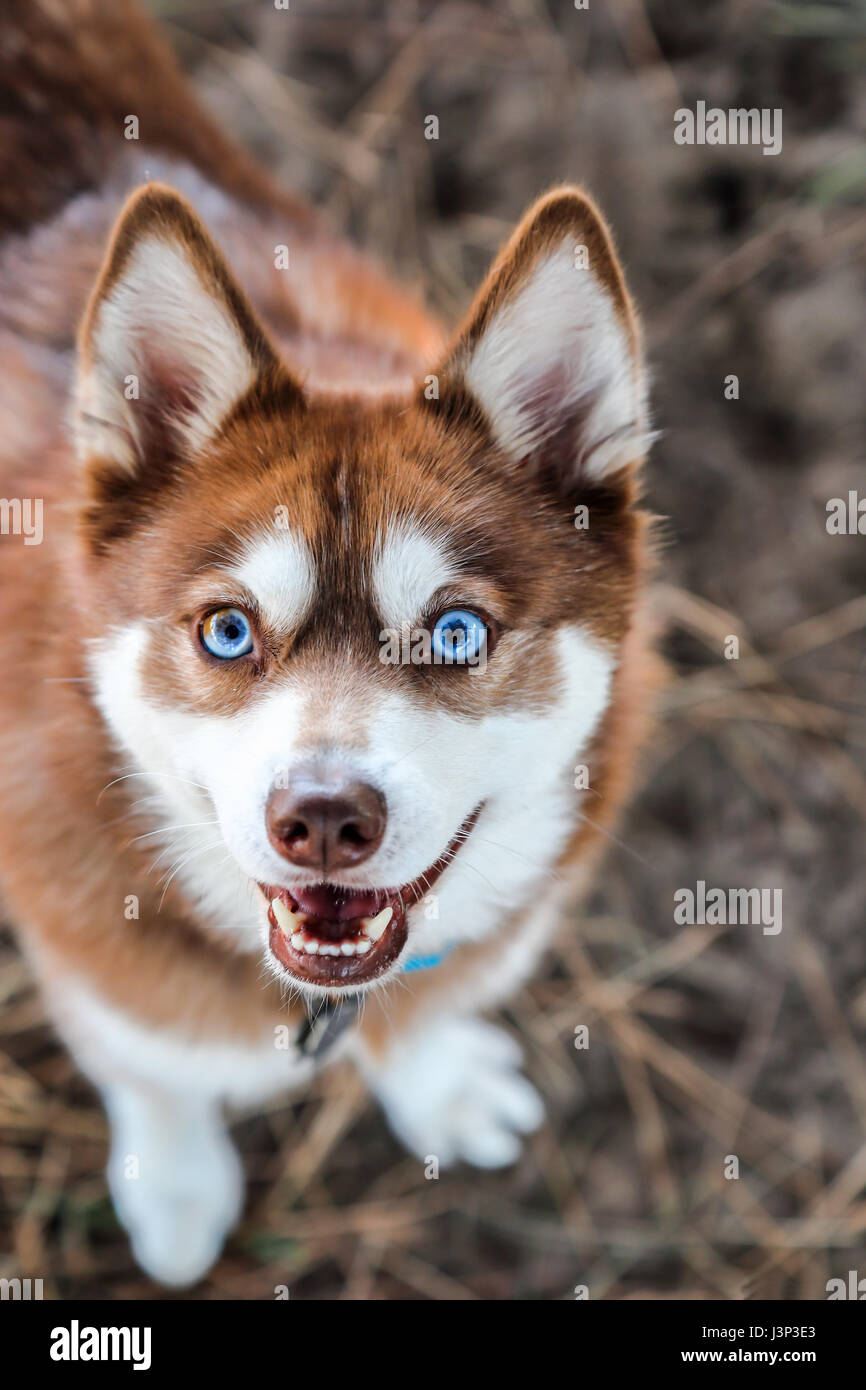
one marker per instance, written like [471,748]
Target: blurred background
[704,1041]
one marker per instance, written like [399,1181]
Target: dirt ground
[706,1042]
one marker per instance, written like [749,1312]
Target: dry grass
[705,1041]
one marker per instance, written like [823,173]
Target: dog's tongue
[332,904]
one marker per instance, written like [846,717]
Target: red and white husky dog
[323,616]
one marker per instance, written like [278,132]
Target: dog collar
[317,1035]
[426,962]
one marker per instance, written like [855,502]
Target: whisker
[203,849]
[164,829]
[168,775]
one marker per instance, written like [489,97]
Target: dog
[331,669]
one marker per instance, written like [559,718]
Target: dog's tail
[78,79]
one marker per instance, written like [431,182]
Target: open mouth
[328,935]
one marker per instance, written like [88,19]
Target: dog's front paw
[177,1186]
[457,1092]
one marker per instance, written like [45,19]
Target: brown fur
[119,548]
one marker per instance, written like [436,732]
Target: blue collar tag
[426,962]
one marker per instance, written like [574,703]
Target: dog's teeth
[375,926]
[293,926]
[282,914]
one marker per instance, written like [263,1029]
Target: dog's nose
[323,825]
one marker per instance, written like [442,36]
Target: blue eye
[227,633]
[458,638]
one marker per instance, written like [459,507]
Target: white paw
[457,1093]
[177,1186]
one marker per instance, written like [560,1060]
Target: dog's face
[357,650]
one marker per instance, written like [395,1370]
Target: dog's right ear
[169,344]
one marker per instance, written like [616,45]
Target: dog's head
[357,648]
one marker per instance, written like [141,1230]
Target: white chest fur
[114,1048]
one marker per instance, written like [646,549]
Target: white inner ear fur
[557,350]
[159,320]
[409,566]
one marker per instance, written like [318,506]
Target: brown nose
[324,824]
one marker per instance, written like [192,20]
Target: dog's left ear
[550,350]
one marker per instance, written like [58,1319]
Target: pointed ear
[550,349]
[169,344]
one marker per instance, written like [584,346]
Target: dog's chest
[114,1047]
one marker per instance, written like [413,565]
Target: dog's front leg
[174,1176]
[452,1089]
[451,1083]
